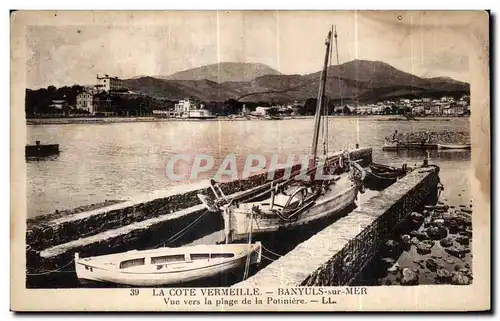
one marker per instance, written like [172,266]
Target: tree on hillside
[309,107]
[233,106]
[331,107]
[273,111]
[51,89]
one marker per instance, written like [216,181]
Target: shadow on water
[31,159]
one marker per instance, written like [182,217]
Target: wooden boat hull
[331,204]
[379,177]
[41,150]
[107,268]
[389,148]
[454,146]
[409,146]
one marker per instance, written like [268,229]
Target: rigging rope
[337,52]
[176,236]
[264,248]
[268,258]
[53,271]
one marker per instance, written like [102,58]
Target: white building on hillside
[107,83]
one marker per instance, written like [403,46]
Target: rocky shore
[436,248]
[442,137]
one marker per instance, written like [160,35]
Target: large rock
[422,236]
[431,264]
[463,219]
[406,242]
[464,240]
[424,247]
[416,218]
[414,241]
[448,217]
[394,269]
[427,222]
[410,277]
[465,231]
[458,278]
[466,210]
[443,276]
[453,227]
[457,251]
[446,242]
[436,233]
[438,222]
[391,247]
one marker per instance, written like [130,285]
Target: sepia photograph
[250,160]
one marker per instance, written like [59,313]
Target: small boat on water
[408,146]
[454,146]
[379,176]
[41,150]
[166,266]
[392,147]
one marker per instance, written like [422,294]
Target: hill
[356,81]
[225,71]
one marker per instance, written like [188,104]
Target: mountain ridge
[356,80]
[223,72]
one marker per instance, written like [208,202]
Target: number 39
[134,292]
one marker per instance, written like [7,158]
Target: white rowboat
[165,266]
[454,146]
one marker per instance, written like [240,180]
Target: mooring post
[426,160]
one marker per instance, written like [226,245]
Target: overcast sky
[427,45]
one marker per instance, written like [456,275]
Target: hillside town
[110,97]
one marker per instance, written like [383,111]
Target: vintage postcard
[250,161]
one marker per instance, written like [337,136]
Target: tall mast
[338,63]
[321,96]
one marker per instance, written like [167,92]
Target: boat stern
[86,273]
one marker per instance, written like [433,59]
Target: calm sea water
[114,161]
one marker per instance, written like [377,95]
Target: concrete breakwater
[138,223]
[336,255]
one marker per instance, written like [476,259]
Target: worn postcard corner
[250,161]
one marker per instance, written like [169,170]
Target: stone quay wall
[139,222]
[335,255]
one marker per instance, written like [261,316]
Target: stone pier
[335,255]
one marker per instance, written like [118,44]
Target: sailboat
[292,203]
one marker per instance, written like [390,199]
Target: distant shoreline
[111,120]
